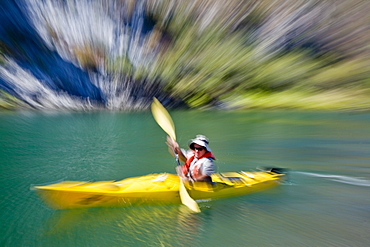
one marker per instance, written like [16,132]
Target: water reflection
[140,226]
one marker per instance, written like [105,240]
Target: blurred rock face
[117,55]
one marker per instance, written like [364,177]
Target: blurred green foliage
[246,54]
[225,62]
[9,102]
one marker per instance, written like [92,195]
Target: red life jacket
[195,171]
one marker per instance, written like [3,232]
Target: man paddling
[199,160]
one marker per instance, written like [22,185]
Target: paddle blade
[187,200]
[163,118]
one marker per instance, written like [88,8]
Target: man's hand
[174,147]
[172,144]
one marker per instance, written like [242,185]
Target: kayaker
[199,160]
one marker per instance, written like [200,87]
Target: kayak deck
[153,189]
[146,190]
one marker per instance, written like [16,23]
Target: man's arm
[208,168]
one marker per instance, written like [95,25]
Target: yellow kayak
[154,189]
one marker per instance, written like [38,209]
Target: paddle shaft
[164,120]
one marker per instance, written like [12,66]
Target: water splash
[340,179]
[79,42]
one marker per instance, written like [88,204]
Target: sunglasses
[199,149]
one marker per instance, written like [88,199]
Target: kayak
[154,189]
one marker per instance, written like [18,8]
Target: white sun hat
[201,140]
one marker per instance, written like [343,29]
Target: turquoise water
[326,201]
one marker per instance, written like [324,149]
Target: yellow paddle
[163,118]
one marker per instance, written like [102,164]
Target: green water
[326,201]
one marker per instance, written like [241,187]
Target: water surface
[326,201]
